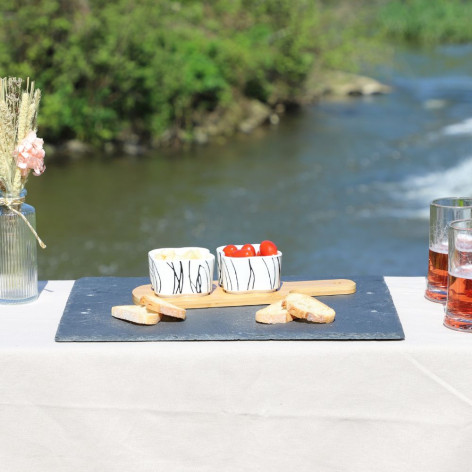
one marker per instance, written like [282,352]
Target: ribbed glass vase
[18,257]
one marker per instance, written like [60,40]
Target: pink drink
[459,301]
[437,273]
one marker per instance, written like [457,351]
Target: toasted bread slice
[272,314]
[159,305]
[136,314]
[308,308]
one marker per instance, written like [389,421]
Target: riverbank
[144,74]
[242,116]
[134,76]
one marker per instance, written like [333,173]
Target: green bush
[107,68]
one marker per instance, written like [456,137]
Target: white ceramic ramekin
[249,274]
[180,275]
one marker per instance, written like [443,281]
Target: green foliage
[108,69]
[141,66]
[427,21]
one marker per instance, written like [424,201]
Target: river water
[343,188]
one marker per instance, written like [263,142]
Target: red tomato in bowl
[268,248]
[249,249]
[229,250]
[246,251]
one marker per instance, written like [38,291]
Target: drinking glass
[459,290]
[442,212]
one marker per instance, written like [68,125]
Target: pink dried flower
[30,155]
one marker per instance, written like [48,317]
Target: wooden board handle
[321,287]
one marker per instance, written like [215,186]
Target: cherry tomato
[268,248]
[229,250]
[249,248]
[245,251]
[258,253]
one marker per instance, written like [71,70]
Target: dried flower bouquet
[20,149]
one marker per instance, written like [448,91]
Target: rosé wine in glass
[437,273]
[459,291]
[459,300]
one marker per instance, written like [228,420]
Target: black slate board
[368,314]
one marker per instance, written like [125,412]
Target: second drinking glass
[459,296]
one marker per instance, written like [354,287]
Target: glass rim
[446,202]
[456,224]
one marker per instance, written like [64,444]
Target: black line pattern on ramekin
[208,276]
[156,282]
[220,269]
[197,286]
[178,278]
[272,283]
[236,275]
[279,273]
[225,274]
[252,277]
[192,287]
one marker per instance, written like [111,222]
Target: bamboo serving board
[219,298]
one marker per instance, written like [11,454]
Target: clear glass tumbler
[442,212]
[18,257]
[459,292]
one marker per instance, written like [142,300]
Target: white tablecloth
[235,406]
